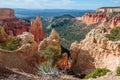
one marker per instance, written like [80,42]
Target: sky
[58,4]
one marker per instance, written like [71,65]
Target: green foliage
[98,72]
[118,71]
[114,34]
[13,43]
[68,29]
[50,52]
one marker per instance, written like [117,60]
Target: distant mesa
[7,13]
[108,9]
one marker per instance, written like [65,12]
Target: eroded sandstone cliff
[95,51]
[106,17]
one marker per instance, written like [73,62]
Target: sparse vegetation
[114,34]
[97,72]
[118,71]
[51,53]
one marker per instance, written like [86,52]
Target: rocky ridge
[95,51]
[111,19]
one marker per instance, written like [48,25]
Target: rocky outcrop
[108,9]
[53,40]
[6,13]
[13,26]
[18,58]
[95,51]
[36,29]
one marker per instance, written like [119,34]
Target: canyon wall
[95,51]
[6,13]
[110,20]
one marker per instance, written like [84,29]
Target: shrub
[98,72]
[118,71]
[114,34]
[51,52]
[13,43]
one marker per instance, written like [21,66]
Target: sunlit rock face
[6,13]
[92,18]
[37,30]
[95,51]
[109,17]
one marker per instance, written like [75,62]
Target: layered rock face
[6,13]
[95,51]
[101,19]
[36,29]
[53,40]
[94,18]
[103,16]
[108,9]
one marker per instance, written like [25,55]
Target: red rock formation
[13,26]
[101,18]
[94,18]
[37,30]
[6,13]
[64,64]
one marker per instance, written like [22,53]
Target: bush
[98,72]
[118,71]
[114,34]
[13,43]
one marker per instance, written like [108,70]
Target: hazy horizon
[58,4]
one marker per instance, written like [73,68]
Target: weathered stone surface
[37,30]
[6,13]
[18,58]
[95,51]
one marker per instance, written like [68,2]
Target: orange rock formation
[37,30]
